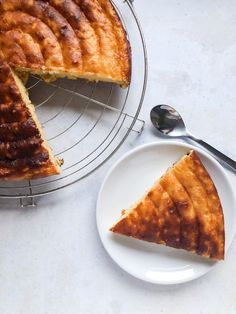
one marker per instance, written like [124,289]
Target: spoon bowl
[168,121]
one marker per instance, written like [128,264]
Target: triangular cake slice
[66,38]
[182,210]
[24,152]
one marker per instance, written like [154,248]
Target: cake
[182,210]
[65,38]
[24,152]
[52,39]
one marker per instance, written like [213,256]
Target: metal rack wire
[85,123]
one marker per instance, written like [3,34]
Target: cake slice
[182,210]
[66,38]
[24,152]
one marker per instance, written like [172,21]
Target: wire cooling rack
[85,122]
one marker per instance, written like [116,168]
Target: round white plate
[126,183]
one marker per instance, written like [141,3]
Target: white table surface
[51,258]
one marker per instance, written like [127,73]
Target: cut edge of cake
[49,75]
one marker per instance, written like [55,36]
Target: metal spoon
[169,122]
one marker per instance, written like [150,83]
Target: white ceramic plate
[126,182]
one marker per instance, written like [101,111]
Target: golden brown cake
[182,210]
[65,38]
[51,38]
[24,152]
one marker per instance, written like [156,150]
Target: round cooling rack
[86,122]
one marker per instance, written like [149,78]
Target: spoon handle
[217,154]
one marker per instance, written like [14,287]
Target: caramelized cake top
[24,153]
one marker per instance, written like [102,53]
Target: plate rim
[141,148]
